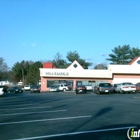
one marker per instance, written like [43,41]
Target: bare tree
[3,67]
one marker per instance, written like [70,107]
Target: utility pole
[23,76]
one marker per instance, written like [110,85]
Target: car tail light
[125,87]
[133,86]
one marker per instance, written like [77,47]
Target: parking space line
[25,108]
[18,105]
[136,97]
[33,112]
[43,120]
[77,133]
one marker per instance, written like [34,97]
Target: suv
[63,87]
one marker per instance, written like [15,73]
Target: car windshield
[127,84]
[105,84]
[53,86]
[116,85]
[81,86]
[35,86]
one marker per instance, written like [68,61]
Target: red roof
[133,60]
[48,65]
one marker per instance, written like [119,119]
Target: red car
[81,89]
[105,88]
[35,88]
[137,87]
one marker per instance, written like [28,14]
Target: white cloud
[46,46]
[49,47]
[23,44]
[33,45]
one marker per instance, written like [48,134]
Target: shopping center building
[75,74]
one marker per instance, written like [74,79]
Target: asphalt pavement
[66,116]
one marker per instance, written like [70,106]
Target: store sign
[57,73]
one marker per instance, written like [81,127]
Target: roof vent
[75,65]
[138,61]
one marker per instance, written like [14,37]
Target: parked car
[35,88]
[89,87]
[116,87]
[95,89]
[137,87]
[63,87]
[14,90]
[53,88]
[105,88]
[3,89]
[81,89]
[27,87]
[127,87]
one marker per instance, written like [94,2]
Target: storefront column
[43,84]
[74,84]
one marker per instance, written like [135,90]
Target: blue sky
[38,29]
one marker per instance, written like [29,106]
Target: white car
[27,87]
[89,87]
[116,87]
[53,88]
[126,87]
[3,90]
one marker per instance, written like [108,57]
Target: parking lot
[65,115]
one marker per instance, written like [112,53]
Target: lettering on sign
[57,73]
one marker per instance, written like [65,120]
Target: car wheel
[77,92]
[121,91]
[64,89]
[134,91]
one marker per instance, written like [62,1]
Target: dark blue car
[14,90]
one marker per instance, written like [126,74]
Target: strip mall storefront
[75,73]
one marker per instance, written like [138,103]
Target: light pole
[23,76]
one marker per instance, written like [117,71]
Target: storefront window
[50,83]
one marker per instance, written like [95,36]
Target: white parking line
[43,120]
[76,133]
[18,105]
[137,97]
[25,108]
[33,113]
